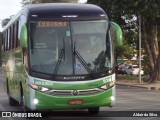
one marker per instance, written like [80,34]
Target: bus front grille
[74,92]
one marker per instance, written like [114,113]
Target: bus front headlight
[38,88]
[108,85]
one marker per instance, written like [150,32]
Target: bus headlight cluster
[108,85]
[39,88]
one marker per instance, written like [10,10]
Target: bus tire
[7,86]
[21,99]
[93,110]
[24,107]
[12,102]
[20,95]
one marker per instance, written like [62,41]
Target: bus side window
[11,38]
[16,41]
[3,42]
[6,39]
[25,61]
[15,31]
[12,42]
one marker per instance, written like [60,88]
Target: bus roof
[60,11]
[66,10]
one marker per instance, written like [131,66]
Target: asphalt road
[131,99]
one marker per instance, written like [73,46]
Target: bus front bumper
[44,101]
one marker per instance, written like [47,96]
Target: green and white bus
[60,56]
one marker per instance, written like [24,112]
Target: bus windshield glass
[92,43]
[70,48]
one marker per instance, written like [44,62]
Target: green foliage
[146,66]
[127,77]
[117,11]
[116,8]
[123,11]
[124,51]
[5,21]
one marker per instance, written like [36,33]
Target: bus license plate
[75,102]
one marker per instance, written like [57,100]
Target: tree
[149,10]
[5,21]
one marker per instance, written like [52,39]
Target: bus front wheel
[12,102]
[93,110]
[24,107]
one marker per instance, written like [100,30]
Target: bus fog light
[112,98]
[35,101]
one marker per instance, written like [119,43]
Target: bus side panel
[14,73]
[29,94]
[4,72]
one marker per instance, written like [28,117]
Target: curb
[149,88]
[154,88]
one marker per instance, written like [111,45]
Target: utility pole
[140,49]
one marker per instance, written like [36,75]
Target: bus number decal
[48,83]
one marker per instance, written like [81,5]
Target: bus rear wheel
[93,110]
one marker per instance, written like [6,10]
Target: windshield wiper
[62,55]
[59,61]
[83,62]
[31,41]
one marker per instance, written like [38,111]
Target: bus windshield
[70,48]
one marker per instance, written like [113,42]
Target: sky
[11,7]
[8,8]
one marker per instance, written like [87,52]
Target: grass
[128,77]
